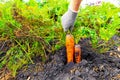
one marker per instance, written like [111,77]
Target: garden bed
[94,66]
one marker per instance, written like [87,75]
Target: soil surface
[93,66]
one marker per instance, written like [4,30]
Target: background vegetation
[33,30]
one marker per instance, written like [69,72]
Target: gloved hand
[68,20]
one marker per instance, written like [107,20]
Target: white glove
[68,20]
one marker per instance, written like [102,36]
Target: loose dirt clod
[93,66]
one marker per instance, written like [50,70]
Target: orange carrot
[77,53]
[69,47]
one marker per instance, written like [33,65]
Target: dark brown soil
[94,66]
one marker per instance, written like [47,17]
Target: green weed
[98,22]
[34,29]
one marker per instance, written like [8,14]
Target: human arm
[74,5]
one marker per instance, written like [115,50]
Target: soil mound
[94,66]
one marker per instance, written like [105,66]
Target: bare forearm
[74,4]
